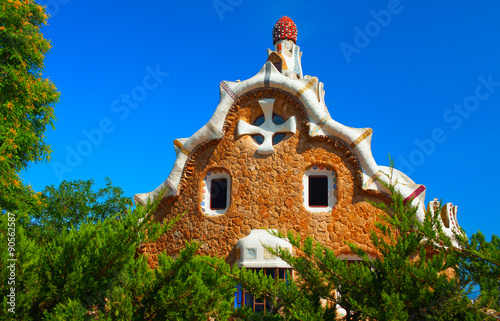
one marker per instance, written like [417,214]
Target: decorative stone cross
[268,129]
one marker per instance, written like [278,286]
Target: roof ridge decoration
[309,91]
[284,28]
[286,55]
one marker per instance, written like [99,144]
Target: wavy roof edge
[310,93]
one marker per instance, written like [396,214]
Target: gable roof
[311,94]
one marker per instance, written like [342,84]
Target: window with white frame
[318,188]
[215,192]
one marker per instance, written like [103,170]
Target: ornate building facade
[272,157]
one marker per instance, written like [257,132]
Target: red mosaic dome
[285,28]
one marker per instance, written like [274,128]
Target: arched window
[318,188]
[215,192]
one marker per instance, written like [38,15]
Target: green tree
[73,203]
[92,269]
[77,268]
[479,267]
[189,287]
[418,275]
[26,99]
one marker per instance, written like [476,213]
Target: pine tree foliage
[93,270]
[78,265]
[479,267]
[418,274]
[189,288]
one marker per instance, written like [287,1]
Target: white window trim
[206,193]
[332,184]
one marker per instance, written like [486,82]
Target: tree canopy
[93,270]
[26,99]
[74,203]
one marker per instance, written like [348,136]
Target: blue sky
[135,76]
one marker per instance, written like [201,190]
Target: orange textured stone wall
[266,190]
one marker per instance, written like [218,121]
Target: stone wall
[266,190]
